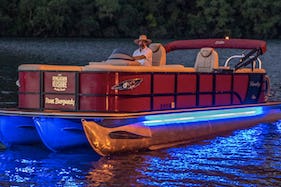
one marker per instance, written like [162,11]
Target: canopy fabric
[216,43]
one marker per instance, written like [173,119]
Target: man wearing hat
[143,54]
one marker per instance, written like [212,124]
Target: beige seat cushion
[158,54]
[207,60]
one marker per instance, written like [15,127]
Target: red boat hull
[96,91]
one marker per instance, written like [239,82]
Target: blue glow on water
[37,166]
[187,117]
[245,158]
[249,157]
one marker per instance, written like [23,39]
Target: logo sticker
[127,84]
[219,42]
[59,83]
[255,84]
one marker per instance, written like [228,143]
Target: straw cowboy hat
[143,38]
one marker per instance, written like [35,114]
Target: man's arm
[139,57]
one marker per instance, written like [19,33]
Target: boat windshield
[120,54]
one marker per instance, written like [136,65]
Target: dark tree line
[129,18]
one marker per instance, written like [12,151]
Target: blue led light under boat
[209,115]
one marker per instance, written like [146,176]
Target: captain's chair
[158,54]
[207,59]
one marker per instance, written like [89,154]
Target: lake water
[249,157]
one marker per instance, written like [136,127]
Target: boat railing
[249,58]
[227,62]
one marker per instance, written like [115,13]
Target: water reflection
[36,166]
[117,170]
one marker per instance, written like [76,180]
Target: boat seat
[158,54]
[206,60]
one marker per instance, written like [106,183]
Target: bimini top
[217,43]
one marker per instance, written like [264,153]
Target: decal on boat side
[255,84]
[219,42]
[57,101]
[127,84]
[59,82]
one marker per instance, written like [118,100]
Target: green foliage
[129,18]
